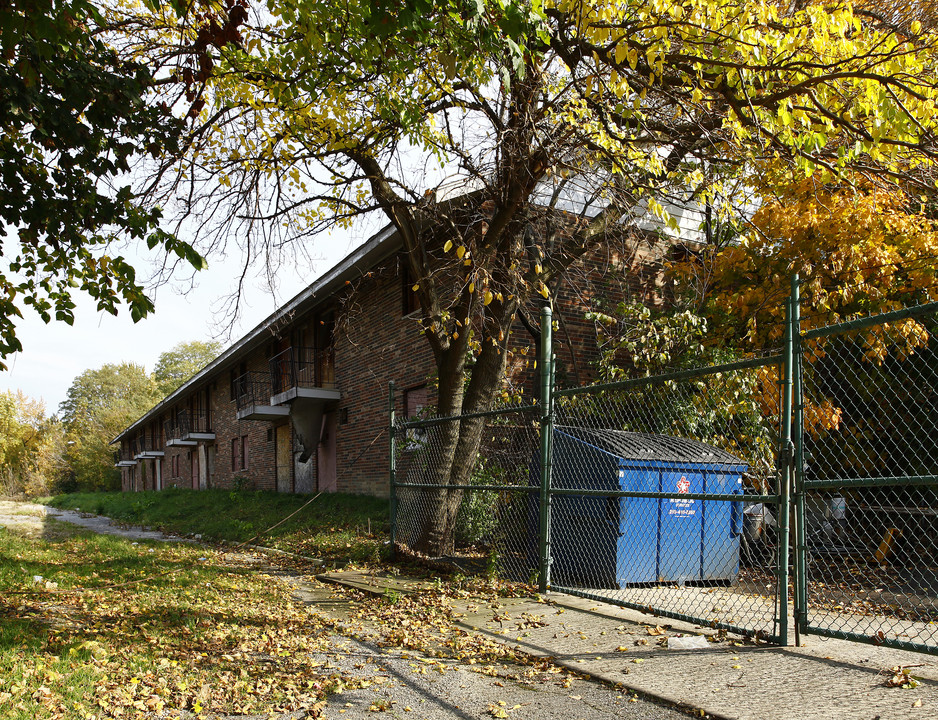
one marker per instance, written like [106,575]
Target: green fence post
[392,467]
[784,475]
[547,425]
[801,579]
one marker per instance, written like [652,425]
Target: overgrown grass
[336,527]
[98,626]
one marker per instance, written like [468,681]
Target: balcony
[147,447]
[124,458]
[252,395]
[173,434]
[302,373]
[196,425]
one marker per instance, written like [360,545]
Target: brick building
[300,403]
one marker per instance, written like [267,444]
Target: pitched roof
[377,248]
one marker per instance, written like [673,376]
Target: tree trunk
[453,447]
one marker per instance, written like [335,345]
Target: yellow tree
[859,248]
[31,446]
[565,123]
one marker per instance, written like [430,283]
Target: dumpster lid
[652,447]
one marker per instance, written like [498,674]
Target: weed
[325,528]
[153,640]
[491,564]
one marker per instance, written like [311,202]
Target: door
[325,454]
[281,370]
[325,351]
[194,461]
[722,523]
[284,459]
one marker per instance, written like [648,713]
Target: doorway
[284,458]
[325,454]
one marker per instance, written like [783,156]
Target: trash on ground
[688,642]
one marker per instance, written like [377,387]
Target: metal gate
[865,470]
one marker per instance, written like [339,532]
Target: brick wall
[260,472]
[375,343]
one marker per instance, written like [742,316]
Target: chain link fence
[682,519]
[868,480]
[682,495]
[485,520]
[663,494]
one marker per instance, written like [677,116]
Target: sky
[54,354]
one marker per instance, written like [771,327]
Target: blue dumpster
[613,542]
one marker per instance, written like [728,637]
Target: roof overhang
[363,259]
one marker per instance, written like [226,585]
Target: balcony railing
[148,443]
[124,456]
[171,430]
[301,367]
[251,388]
[195,421]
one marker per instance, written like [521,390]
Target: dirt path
[33,520]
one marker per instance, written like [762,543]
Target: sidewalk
[825,679]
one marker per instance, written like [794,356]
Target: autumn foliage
[858,250]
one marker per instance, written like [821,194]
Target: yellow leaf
[416,287]
[448,246]
[487,298]
[460,251]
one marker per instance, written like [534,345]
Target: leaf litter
[223,635]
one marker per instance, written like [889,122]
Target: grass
[95,627]
[338,528]
[98,626]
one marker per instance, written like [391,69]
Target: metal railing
[301,367]
[171,429]
[147,442]
[195,421]
[251,388]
